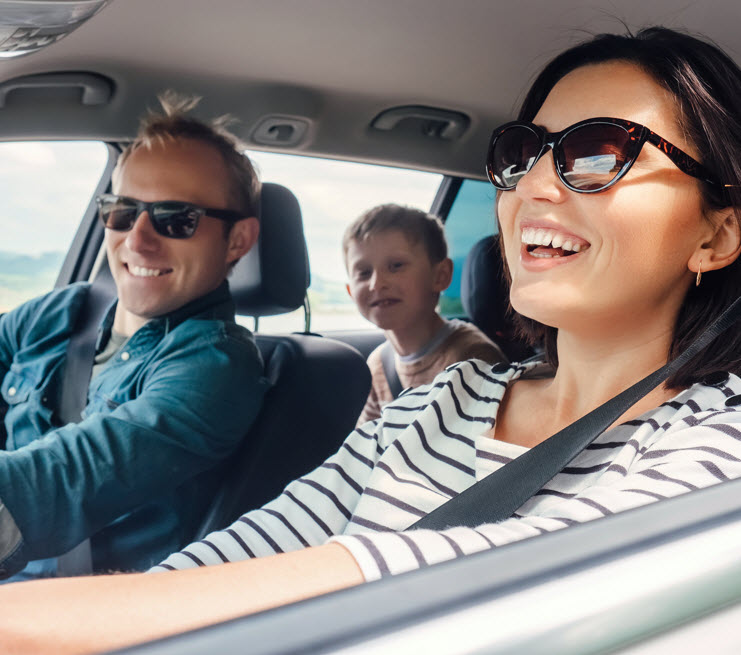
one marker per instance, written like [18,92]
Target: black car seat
[318,385]
[485,298]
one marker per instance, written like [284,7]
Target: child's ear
[442,275]
[723,246]
[349,291]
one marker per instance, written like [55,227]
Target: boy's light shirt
[440,336]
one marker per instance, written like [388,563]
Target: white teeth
[529,236]
[140,271]
[543,237]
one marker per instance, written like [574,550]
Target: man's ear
[242,237]
[442,275]
[722,248]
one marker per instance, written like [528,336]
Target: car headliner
[336,62]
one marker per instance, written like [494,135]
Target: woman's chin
[548,310]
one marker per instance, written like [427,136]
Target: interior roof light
[29,25]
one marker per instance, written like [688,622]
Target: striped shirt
[431,444]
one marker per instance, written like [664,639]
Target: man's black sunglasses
[590,155]
[170,218]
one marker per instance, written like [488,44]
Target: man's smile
[141,271]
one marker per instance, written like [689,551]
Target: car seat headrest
[484,290]
[273,277]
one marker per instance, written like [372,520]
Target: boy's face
[392,280]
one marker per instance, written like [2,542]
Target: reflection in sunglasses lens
[593,155]
[175,220]
[118,215]
[514,153]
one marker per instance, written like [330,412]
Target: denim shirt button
[125,356]
[12,391]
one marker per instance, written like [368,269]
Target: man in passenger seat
[175,383]
[397,262]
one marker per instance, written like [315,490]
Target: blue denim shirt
[138,471]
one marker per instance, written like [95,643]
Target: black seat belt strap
[80,355]
[502,492]
[388,359]
[78,369]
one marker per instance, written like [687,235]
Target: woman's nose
[541,182]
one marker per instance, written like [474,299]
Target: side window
[45,188]
[332,194]
[471,217]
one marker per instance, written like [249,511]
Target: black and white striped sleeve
[695,453]
[308,512]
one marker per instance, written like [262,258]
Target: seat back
[318,385]
[273,277]
[485,298]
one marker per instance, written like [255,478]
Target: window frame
[85,249]
[545,567]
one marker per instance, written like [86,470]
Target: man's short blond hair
[416,225]
[174,122]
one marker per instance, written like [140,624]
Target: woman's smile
[548,242]
[545,245]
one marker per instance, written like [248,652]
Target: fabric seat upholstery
[485,298]
[318,385]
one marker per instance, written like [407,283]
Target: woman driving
[619,188]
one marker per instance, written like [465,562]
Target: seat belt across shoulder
[388,359]
[78,369]
[501,493]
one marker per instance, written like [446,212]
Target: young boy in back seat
[397,263]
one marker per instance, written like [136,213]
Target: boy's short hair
[415,224]
[173,122]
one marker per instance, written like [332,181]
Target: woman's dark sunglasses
[170,218]
[590,155]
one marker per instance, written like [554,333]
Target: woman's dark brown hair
[706,85]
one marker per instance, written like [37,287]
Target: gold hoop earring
[699,274]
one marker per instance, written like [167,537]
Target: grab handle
[96,89]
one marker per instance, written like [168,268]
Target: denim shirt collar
[217,305]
